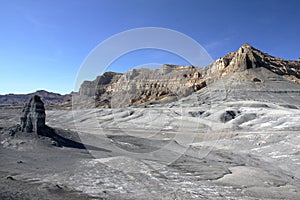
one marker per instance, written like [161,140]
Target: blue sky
[43,43]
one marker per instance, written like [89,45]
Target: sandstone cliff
[171,82]
[248,57]
[144,86]
[100,89]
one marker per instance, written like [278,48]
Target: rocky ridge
[248,57]
[247,66]
[141,86]
[168,83]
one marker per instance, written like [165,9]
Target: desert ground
[203,146]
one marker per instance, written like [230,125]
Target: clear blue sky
[43,42]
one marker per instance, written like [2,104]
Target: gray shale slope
[231,131]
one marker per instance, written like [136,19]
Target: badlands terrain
[230,130]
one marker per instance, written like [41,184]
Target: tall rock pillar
[33,116]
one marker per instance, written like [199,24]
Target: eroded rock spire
[33,116]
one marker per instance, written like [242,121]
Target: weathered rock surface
[168,83]
[248,67]
[100,89]
[248,57]
[100,85]
[33,119]
[141,86]
[34,128]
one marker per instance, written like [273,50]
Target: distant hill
[49,98]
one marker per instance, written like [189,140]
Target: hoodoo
[33,116]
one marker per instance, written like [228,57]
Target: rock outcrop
[100,89]
[170,82]
[140,86]
[33,116]
[33,121]
[248,57]
[144,86]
